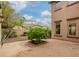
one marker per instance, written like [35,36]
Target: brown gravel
[53,48]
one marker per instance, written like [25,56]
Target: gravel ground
[52,48]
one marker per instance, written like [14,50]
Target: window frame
[58,28]
[71,24]
[70,21]
[70,4]
[59,21]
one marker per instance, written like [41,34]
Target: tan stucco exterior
[66,13]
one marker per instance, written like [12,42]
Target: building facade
[65,20]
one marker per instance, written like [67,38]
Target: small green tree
[37,33]
[7,14]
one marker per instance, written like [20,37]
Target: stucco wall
[65,13]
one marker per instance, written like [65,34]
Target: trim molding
[73,18]
[72,4]
[72,37]
[57,9]
[58,21]
[58,35]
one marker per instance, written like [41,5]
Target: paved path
[54,47]
[11,49]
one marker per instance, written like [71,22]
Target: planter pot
[36,41]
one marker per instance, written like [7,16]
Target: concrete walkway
[54,47]
[11,49]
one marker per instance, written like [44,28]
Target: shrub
[4,25]
[24,34]
[49,33]
[13,35]
[37,33]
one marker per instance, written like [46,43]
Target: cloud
[28,17]
[19,5]
[38,21]
[46,13]
[44,22]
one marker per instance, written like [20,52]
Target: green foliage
[37,33]
[25,34]
[8,15]
[49,33]
[10,19]
[7,10]
[13,35]
[20,21]
[4,25]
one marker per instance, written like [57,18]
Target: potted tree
[37,34]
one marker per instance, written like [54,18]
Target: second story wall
[67,10]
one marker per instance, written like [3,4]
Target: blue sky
[34,10]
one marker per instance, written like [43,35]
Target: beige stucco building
[65,20]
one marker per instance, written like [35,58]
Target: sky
[38,11]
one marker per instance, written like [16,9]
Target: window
[58,5]
[71,2]
[72,29]
[58,28]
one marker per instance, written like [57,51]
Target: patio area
[52,48]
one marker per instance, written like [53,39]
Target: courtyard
[24,30]
[52,48]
